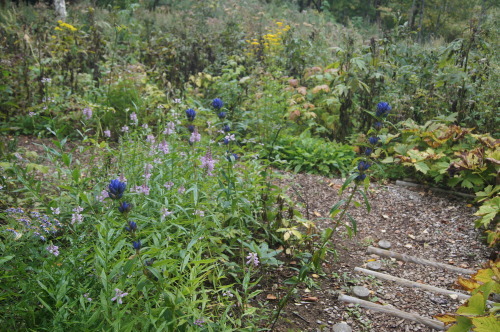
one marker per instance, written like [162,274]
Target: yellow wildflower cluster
[270,43]
[63,25]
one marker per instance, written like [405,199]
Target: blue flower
[360,177]
[363,166]
[383,109]
[217,103]
[137,245]
[191,128]
[378,125]
[373,140]
[232,157]
[190,113]
[132,226]
[124,207]
[116,189]
[225,141]
[226,128]
[222,115]
[368,151]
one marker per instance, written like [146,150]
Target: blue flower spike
[217,103]
[116,189]
[137,245]
[191,114]
[125,207]
[383,109]
[132,226]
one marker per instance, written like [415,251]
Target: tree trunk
[421,17]
[60,7]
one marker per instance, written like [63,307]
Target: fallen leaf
[409,246]
[385,216]
[314,275]
[271,297]
[371,260]
[317,214]
[454,296]
[411,236]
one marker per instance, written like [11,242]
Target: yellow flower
[58,29]
[279,23]
[255,43]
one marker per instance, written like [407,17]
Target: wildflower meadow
[155,198]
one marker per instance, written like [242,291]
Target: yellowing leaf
[446,318]
[468,284]
[486,324]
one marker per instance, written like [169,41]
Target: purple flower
[217,103]
[53,250]
[190,128]
[125,129]
[195,136]
[199,322]
[170,128]
[163,147]
[55,211]
[253,258]
[368,151]
[208,163]
[383,109]
[222,115]
[378,125]
[133,118]
[181,190]
[144,189]
[169,184]
[118,296]
[165,212]
[226,128]
[150,139]
[199,213]
[107,133]
[87,297]
[87,112]
[190,113]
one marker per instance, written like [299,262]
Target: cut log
[435,324]
[439,190]
[417,260]
[409,283]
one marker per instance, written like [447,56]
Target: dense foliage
[153,204]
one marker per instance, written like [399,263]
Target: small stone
[384,244]
[361,292]
[319,322]
[341,327]
[374,265]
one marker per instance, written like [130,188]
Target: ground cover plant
[152,202]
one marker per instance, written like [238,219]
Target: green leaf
[422,167]
[486,324]
[474,306]
[464,324]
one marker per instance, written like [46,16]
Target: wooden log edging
[435,324]
[417,260]
[439,190]
[409,283]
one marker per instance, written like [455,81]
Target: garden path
[417,222]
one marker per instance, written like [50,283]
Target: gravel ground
[416,222]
